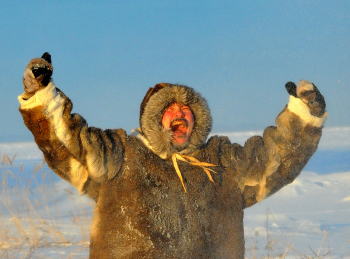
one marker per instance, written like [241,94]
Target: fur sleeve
[76,152]
[265,164]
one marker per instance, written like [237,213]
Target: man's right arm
[76,152]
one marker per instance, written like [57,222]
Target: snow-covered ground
[310,217]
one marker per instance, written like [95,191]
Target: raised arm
[84,156]
[265,164]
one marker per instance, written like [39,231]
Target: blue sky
[238,54]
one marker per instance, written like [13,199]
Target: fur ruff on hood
[159,139]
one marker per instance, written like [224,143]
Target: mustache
[174,125]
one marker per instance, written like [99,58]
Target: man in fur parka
[169,192]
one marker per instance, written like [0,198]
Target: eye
[185,108]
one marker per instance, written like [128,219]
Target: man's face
[179,118]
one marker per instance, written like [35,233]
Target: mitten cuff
[301,109]
[41,98]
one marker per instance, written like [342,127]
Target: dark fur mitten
[310,95]
[314,100]
[37,74]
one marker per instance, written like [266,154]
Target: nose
[179,113]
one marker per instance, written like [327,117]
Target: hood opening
[152,108]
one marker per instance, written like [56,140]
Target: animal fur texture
[141,209]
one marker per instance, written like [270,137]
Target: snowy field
[42,216]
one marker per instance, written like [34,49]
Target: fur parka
[142,210]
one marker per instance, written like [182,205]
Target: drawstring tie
[193,161]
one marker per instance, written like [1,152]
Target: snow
[302,214]
[21,151]
[306,219]
[333,138]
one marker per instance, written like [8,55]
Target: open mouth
[178,124]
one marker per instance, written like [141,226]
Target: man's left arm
[266,164]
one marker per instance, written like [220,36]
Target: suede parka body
[142,210]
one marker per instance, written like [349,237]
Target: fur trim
[42,97]
[160,139]
[138,133]
[298,107]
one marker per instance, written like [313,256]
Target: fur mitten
[310,95]
[37,74]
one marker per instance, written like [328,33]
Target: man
[168,192]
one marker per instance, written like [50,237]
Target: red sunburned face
[180,120]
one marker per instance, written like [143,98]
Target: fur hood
[152,132]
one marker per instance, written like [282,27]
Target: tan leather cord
[193,161]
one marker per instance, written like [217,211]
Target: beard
[179,147]
[179,125]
